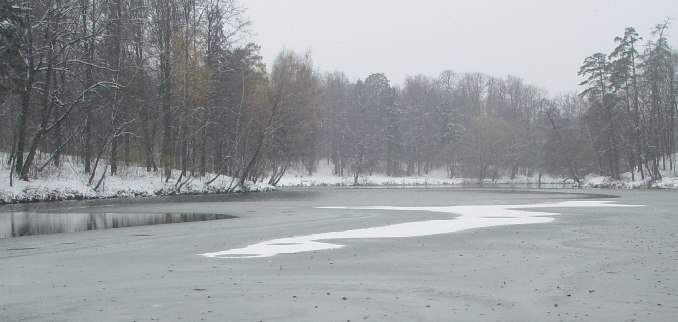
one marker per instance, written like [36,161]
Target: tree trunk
[203,152]
[114,153]
[58,142]
[23,123]
[45,115]
[87,138]
[166,158]
[252,161]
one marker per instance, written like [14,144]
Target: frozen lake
[469,217]
[354,254]
[71,217]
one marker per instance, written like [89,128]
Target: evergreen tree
[624,78]
[657,72]
[596,69]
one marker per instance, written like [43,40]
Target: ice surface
[469,217]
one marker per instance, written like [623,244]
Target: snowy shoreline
[49,191]
[325,178]
[60,188]
[66,183]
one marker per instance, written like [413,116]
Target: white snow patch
[470,217]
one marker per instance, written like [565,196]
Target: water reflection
[18,224]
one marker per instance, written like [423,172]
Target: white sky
[542,41]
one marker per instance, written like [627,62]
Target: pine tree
[657,72]
[624,78]
[597,70]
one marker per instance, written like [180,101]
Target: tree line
[169,84]
[480,126]
[175,85]
[632,96]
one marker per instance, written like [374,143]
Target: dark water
[17,224]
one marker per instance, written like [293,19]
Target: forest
[178,85]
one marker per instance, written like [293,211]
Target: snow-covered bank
[324,177]
[69,182]
[628,181]
[667,182]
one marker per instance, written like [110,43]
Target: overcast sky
[542,41]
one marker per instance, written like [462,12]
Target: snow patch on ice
[469,217]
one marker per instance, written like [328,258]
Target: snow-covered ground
[69,182]
[325,177]
[669,180]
